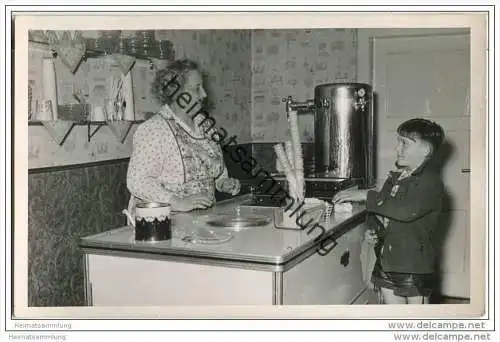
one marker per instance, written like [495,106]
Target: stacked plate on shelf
[107,40]
[147,40]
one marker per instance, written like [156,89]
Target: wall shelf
[60,129]
[94,53]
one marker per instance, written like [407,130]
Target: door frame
[479,52]
[365,52]
[365,39]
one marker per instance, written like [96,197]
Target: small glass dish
[238,222]
[206,236]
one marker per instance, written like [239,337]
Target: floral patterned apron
[202,161]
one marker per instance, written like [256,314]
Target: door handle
[344,259]
[465,170]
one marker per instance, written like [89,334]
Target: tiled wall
[292,62]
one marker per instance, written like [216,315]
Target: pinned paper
[45,112]
[70,49]
[125,62]
[128,95]
[58,130]
[49,86]
[120,129]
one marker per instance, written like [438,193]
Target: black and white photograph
[294,166]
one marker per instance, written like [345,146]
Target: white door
[429,76]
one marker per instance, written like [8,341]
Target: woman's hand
[350,195]
[199,201]
[230,185]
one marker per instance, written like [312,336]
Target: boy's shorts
[403,284]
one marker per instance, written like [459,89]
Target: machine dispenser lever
[299,106]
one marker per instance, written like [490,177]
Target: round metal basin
[238,222]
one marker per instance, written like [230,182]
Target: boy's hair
[423,129]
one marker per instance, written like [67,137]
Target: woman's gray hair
[161,87]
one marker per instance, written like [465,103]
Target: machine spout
[306,106]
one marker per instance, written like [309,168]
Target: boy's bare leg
[391,298]
[418,300]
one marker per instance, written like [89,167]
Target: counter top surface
[261,244]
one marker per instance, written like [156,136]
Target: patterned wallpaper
[292,62]
[44,152]
[62,207]
[249,72]
[224,54]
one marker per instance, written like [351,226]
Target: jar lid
[152,205]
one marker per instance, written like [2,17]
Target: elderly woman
[174,159]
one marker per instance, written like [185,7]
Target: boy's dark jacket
[414,212]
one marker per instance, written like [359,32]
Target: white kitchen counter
[264,244]
[259,265]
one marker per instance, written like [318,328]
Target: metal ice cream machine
[344,140]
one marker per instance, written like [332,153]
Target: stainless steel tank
[344,131]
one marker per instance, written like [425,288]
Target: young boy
[406,212]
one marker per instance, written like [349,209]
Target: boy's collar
[421,168]
[415,172]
